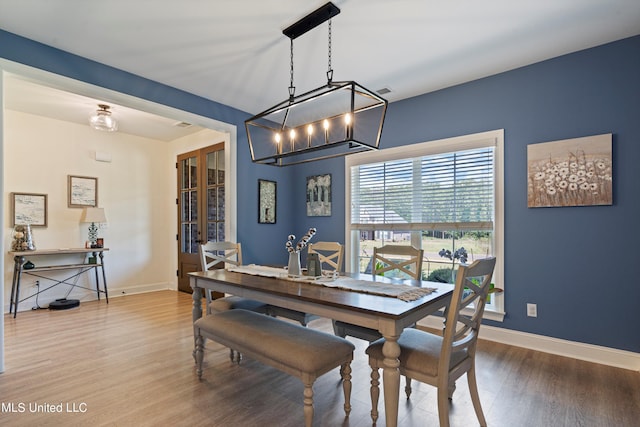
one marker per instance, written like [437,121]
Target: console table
[41,271]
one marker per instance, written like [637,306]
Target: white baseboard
[140,289]
[87,295]
[576,350]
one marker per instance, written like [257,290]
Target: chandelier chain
[329,70]
[292,88]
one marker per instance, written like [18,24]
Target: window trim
[459,143]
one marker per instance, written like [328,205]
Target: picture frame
[29,208]
[267,198]
[319,195]
[570,172]
[82,191]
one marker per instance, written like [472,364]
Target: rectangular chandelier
[333,120]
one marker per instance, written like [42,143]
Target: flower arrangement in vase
[294,251]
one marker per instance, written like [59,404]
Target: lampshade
[102,119]
[93,215]
[333,120]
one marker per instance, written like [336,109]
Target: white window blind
[447,191]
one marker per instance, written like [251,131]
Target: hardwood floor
[129,363]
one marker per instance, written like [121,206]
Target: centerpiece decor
[294,251]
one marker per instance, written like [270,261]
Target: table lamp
[93,215]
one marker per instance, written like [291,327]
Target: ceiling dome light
[102,119]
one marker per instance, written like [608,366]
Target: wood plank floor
[129,363]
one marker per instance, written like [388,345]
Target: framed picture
[570,172]
[29,208]
[83,191]
[319,195]
[266,202]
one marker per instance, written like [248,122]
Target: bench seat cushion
[234,302]
[304,349]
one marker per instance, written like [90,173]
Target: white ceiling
[234,52]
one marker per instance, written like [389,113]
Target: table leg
[196,312]
[95,270]
[391,379]
[15,286]
[104,277]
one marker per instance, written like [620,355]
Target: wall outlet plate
[532,310]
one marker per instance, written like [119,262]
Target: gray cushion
[234,302]
[419,351]
[307,350]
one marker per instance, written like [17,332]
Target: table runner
[400,291]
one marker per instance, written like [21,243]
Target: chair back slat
[471,290]
[329,253]
[410,261]
[214,254]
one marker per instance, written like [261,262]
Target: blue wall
[575,263]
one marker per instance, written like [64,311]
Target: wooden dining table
[388,315]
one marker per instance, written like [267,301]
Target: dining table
[386,304]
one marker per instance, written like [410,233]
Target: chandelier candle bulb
[309,135]
[349,128]
[292,136]
[278,146]
[325,125]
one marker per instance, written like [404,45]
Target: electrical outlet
[532,310]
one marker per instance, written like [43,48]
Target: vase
[294,263]
[29,244]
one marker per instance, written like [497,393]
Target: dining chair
[218,255]
[439,360]
[330,254]
[401,258]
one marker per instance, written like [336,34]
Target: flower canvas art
[571,172]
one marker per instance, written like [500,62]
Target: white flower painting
[571,172]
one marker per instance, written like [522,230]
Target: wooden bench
[296,350]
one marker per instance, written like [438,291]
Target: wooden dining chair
[401,258]
[439,360]
[218,255]
[330,254]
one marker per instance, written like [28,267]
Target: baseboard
[576,350]
[84,295]
[140,289]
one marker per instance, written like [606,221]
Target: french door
[201,206]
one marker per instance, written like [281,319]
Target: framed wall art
[319,195]
[266,201]
[83,191]
[29,208]
[570,172]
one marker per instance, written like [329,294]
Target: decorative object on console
[29,208]
[333,120]
[93,216]
[23,238]
[294,251]
[102,119]
[319,195]
[82,191]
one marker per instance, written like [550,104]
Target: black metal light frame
[323,110]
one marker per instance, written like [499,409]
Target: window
[437,195]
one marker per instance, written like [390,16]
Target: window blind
[449,191]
